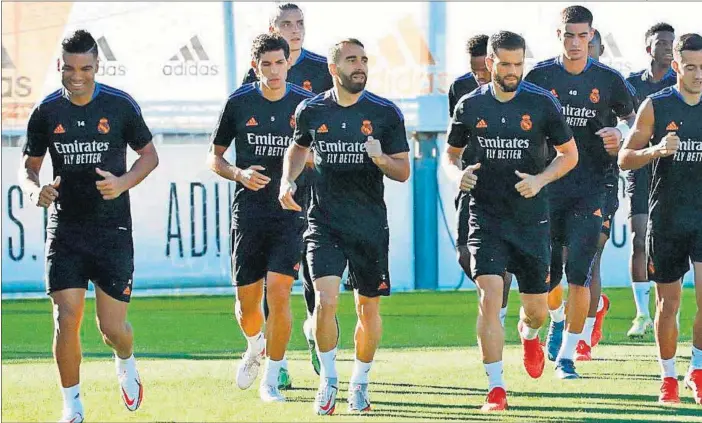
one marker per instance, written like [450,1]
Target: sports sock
[270,372]
[667,368]
[570,341]
[642,291]
[587,330]
[71,396]
[327,362]
[558,315]
[495,375]
[257,343]
[360,372]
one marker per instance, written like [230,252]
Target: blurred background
[180,61]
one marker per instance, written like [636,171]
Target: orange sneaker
[693,382]
[534,358]
[669,391]
[496,400]
[583,352]
[599,319]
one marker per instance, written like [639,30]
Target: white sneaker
[639,326]
[270,393]
[359,401]
[74,415]
[325,400]
[247,371]
[132,389]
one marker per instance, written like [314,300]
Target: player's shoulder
[465,81]
[384,103]
[120,97]
[545,65]
[51,99]
[464,77]
[298,92]
[635,76]
[314,57]
[475,96]
[316,101]
[540,94]
[242,93]
[664,93]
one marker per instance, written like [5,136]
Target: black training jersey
[642,82]
[507,137]
[309,72]
[588,101]
[80,139]
[676,187]
[460,87]
[347,192]
[261,130]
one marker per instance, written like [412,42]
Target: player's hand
[469,178]
[287,190]
[669,145]
[47,194]
[374,149]
[529,186]
[612,139]
[111,187]
[252,179]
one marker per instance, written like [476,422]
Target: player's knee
[536,315]
[638,242]
[368,311]
[278,296]
[668,307]
[67,318]
[111,330]
[326,302]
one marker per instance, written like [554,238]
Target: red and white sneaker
[693,382]
[669,391]
[496,400]
[599,320]
[583,352]
[72,416]
[132,389]
[534,358]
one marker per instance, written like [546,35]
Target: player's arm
[457,140]
[624,106]
[34,151]
[295,157]
[636,152]
[391,154]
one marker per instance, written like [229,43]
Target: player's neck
[294,55]
[574,67]
[345,98]
[658,70]
[501,95]
[692,99]
[81,100]
[273,94]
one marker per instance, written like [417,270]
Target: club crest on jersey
[366,127]
[307,85]
[553,91]
[526,123]
[103,126]
[252,122]
[322,129]
[481,124]
[59,129]
[292,121]
[595,95]
[672,126]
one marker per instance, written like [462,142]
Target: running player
[266,241]
[659,46]
[589,92]
[357,139]
[86,127]
[309,71]
[509,124]
[670,120]
[479,75]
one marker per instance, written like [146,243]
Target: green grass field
[428,367]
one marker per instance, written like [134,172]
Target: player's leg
[599,305]
[693,378]
[505,297]
[308,325]
[556,307]
[637,188]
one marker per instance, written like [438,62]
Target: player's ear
[602,47]
[675,65]
[591,34]
[97,65]
[333,69]
[271,29]
[254,66]
[489,62]
[648,49]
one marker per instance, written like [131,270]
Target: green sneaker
[309,336]
[284,380]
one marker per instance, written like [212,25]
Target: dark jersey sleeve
[635,97]
[623,97]
[395,138]
[37,135]
[225,131]
[534,77]
[137,134]
[557,130]
[302,135]
[328,82]
[458,131]
[249,77]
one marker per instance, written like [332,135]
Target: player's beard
[507,88]
[350,85]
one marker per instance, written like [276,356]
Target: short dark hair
[597,37]
[477,45]
[689,42]
[335,50]
[279,9]
[505,40]
[80,42]
[576,15]
[269,42]
[659,27]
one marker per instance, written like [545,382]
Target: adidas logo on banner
[14,84]
[190,60]
[107,66]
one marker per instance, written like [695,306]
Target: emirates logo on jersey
[526,123]
[366,127]
[292,121]
[103,126]
[307,85]
[672,126]
[595,96]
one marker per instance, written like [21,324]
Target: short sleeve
[458,131]
[136,133]
[37,135]
[302,135]
[394,139]
[249,77]
[623,97]
[225,131]
[556,130]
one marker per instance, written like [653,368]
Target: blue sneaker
[554,339]
[565,369]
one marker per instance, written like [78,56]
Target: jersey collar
[559,61]
[302,55]
[65,94]
[491,84]
[335,99]
[257,85]
[647,76]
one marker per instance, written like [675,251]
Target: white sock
[587,330]
[71,397]
[558,315]
[494,374]
[503,314]
[284,363]
[696,359]
[360,372]
[327,362]
[270,372]
[125,365]
[642,291]
[600,304]
[528,333]
[570,341]
[668,368]
[257,343]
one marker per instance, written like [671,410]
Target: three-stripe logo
[109,64]
[190,60]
